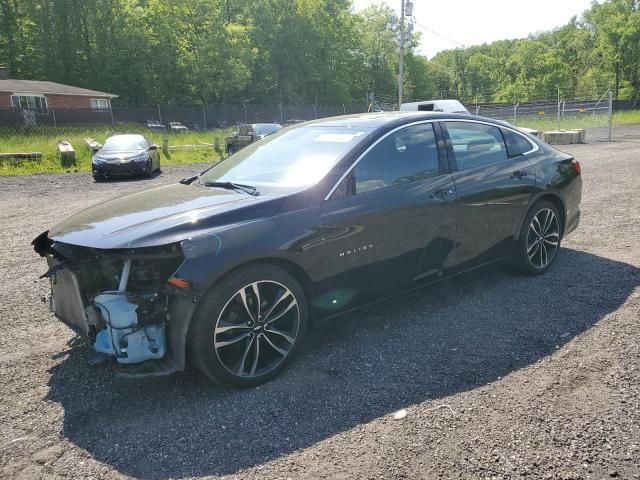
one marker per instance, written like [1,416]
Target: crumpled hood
[160,216]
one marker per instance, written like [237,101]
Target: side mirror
[153,147]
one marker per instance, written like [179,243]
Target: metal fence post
[558,109]
[204,117]
[344,109]
[610,113]
[515,113]
[159,115]
[111,112]
[53,114]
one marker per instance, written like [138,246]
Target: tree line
[292,52]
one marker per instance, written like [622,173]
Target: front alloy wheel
[257,329]
[249,326]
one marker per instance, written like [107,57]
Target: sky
[455,23]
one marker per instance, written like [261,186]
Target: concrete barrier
[67,153]
[582,134]
[564,137]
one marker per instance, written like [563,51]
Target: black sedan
[129,154]
[230,268]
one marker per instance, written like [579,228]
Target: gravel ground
[489,375]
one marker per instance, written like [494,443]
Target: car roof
[391,119]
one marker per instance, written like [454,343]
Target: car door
[493,184]
[389,222]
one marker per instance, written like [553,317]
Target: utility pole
[558,109]
[401,65]
[406,10]
[610,114]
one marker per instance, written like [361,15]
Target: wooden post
[165,145]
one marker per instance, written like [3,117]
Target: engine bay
[118,299]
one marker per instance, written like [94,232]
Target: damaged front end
[120,299]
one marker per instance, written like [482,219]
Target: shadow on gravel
[451,337]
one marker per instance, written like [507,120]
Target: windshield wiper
[189,180]
[251,190]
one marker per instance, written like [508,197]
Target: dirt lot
[501,376]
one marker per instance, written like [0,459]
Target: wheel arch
[556,200]
[182,338]
[186,308]
[285,264]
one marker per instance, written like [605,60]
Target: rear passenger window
[408,155]
[476,144]
[522,143]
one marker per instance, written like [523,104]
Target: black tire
[98,178]
[535,251]
[148,169]
[223,317]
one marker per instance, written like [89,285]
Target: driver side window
[405,156]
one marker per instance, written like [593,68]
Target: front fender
[209,257]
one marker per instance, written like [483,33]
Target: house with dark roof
[41,95]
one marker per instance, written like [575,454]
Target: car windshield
[288,158]
[124,143]
[266,129]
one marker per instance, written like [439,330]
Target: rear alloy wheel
[539,244]
[248,328]
[148,169]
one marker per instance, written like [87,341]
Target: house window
[29,102]
[99,104]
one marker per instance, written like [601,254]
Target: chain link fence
[599,113]
[561,114]
[194,118]
[31,138]
[35,134]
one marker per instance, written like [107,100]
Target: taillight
[576,166]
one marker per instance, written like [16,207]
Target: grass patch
[44,139]
[588,120]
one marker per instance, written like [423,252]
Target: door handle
[518,174]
